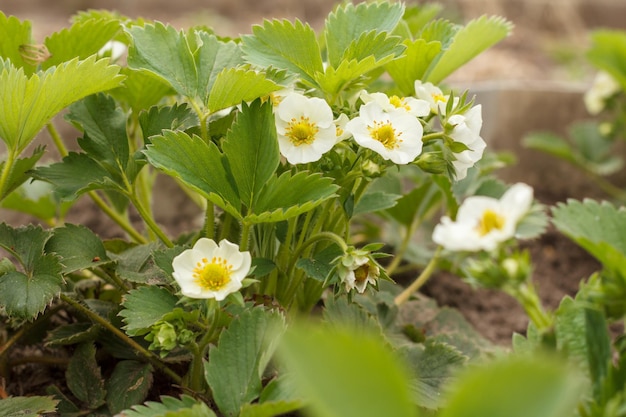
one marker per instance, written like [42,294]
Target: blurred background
[548,42]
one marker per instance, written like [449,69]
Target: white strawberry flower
[412,105]
[395,135]
[356,271]
[467,131]
[433,96]
[602,88]
[306,128]
[211,270]
[114,49]
[482,223]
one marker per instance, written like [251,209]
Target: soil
[529,54]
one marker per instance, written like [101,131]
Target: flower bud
[432,162]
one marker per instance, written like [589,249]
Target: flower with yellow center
[306,128]
[396,135]
[482,223]
[211,270]
[356,271]
[433,96]
[411,105]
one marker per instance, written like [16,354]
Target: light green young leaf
[440,30]
[515,387]
[236,364]
[283,44]
[287,196]
[197,164]
[128,385]
[77,247]
[84,377]
[412,65]
[595,226]
[474,38]
[170,407]
[13,34]
[81,40]
[360,377]
[350,22]
[27,406]
[145,306]
[608,53]
[252,151]
[18,175]
[270,408]
[234,85]
[433,366]
[28,103]
[416,16]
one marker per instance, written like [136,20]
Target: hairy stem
[420,280]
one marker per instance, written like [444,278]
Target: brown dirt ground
[546,45]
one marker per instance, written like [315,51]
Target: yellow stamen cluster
[399,103]
[301,131]
[213,275]
[438,97]
[385,134]
[490,221]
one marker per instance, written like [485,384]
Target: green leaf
[27,406]
[432,366]
[128,385]
[84,378]
[234,85]
[345,314]
[19,174]
[350,22]
[197,164]
[320,265]
[416,204]
[287,196]
[81,40]
[71,334]
[379,45]
[597,227]
[104,125]
[440,30]
[375,201]
[28,103]
[360,377]
[252,151]
[186,406]
[145,306]
[78,248]
[159,118]
[26,294]
[514,387]
[475,37]
[550,143]
[412,65]
[608,53]
[270,409]
[141,89]
[136,264]
[236,365]
[13,34]
[283,44]
[416,16]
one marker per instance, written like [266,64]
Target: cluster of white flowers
[388,125]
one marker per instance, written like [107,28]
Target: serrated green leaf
[440,30]
[243,351]
[432,366]
[416,16]
[515,387]
[27,406]
[141,89]
[145,306]
[164,258]
[608,53]
[159,118]
[77,174]
[84,377]
[345,314]
[197,164]
[13,34]
[597,227]
[81,40]
[28,103]
[232,86]
[412,65]
[287,196]
[380,45]
[360,376]
[77,247]
[104,125]
[286,45]
[252,151]
[169,406]
[375,201]
[350,22]
[128,385]
[136,264]
[71,334]
[320,265]
[19,174]
[472,39]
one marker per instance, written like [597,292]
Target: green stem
[420,280]
[245,236]
[150,356]
[56,138]
[433,136]
[528,298]
[117,218]
[209,220]
[149,221]
[404,246]
[7,170]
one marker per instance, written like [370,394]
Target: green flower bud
[432,162]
